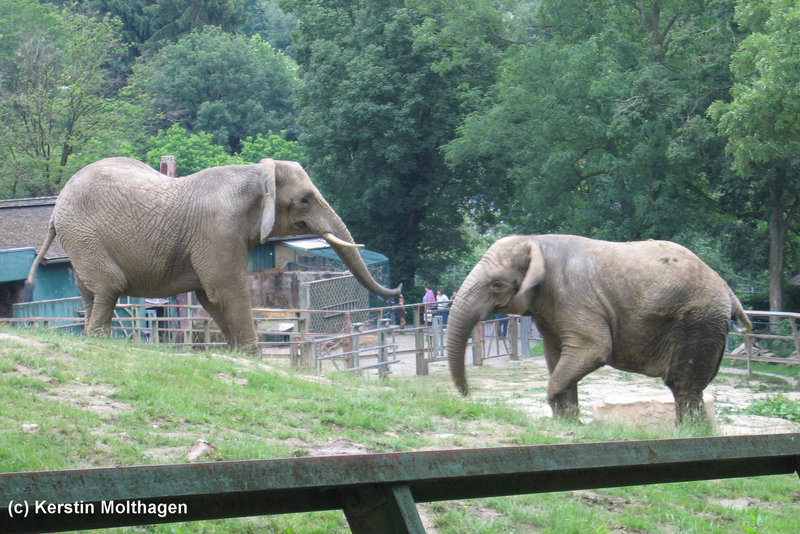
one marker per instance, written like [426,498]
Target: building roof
[319,247]
[24,223]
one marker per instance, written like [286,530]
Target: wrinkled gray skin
[649,307]
[130,230]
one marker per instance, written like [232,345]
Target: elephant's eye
[306,200]
[496,286]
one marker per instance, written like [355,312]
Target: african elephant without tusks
[130,230]
[649,307]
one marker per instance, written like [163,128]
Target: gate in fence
[506,336]
[353,349]
[332,297]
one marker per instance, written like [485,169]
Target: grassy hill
[72,402]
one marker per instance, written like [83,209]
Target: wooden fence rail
[774,339]
[377,492]
[278,329]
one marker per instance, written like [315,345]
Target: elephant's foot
[250,349]
[564,401]
[99,332]
[692,413]
[565,410]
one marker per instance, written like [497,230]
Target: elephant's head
[293,205]
[499,283]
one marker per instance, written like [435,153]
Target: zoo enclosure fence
[352,338]
[774,339]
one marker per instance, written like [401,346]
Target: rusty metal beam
[373,487]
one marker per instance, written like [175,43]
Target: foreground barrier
[376,491]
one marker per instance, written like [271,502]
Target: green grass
[778,406]
[111,402]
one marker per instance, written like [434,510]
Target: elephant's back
[113,174]
[636,278]
[106,202]
[121,185]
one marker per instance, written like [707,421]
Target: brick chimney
[168,166]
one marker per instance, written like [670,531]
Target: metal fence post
[437,337]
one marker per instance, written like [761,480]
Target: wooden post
[478,345]
[419,349]
[513,336]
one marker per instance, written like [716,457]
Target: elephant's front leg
[579,356]
[232,312]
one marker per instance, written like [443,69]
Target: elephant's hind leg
[694,363]
[87,299]
[102,313]
[101,282]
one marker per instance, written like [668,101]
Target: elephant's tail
[738,315]
[27,291]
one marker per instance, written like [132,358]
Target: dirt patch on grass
[523,384]
[96,398]
[22,341]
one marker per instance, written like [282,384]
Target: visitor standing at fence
[428,299]
[442,303]
[401,312]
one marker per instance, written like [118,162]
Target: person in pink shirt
[429,299]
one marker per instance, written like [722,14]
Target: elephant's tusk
[336,241]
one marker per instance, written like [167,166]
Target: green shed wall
[15,263]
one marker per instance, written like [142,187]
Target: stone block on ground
[646,411]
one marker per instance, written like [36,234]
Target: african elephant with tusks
[130,230]
[649,307]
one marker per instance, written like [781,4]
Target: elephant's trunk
[466,311]
[352,259]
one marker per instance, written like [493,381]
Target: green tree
[590,100]
[137,22]
[275,146]
[56,97]
[375,114]
[267,19]
[761,123]
[229,86]
[193,151]
[175,18]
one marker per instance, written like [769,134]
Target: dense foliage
[434,126]
[229,86]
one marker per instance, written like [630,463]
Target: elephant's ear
[535,269]
[268,198]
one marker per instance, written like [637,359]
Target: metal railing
[377,492]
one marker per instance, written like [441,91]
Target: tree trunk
[777,255]
[780,219]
